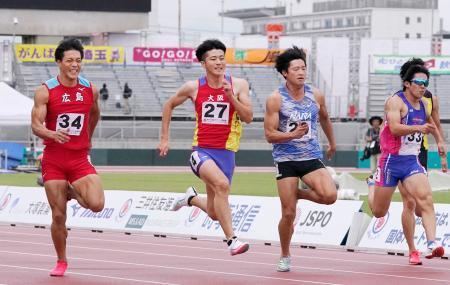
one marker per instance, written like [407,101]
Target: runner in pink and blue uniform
[406,122]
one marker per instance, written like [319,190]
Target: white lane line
[229,261]
[354,260]
[165,267]
[90,275]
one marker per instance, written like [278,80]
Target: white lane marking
[161,267]
[90,275]
[354,260]
[226,260]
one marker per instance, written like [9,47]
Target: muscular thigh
[417,185]
[90,187]
[320,180]
[56,191]
[408,200]
[287,190]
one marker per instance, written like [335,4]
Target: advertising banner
[252,56]
[143,54]
[391,64]
[324,224]
[254,218]
[187,55]
[46,53]
[387,232]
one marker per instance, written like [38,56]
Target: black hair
[412,71]
[284,59]
[68,44]
[408,64]
[208,45]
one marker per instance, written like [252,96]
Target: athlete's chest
[411,116]
[213,106]
[61,99]
[303,110]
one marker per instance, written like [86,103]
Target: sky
[202,15]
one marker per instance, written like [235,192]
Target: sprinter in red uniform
[65,114]
[221,102]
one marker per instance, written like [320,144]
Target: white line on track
[180,269]
[217,260]
[359,261]
[90,275]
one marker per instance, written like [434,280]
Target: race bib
[377,175]
[215,113]
[411,144]
[291,126]
[71,122]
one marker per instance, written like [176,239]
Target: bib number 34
[71,122]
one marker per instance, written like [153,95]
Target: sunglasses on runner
[420,82]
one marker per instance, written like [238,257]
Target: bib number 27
[71,122]
[215,113]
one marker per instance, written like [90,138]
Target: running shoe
[434,251]
[238,247]
[284,264]
[184,201]
[59,269]
[414,258]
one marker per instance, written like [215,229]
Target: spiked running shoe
[284,264]
[184,201]
[414,258]
[238,247]
[60,269]
[435,251]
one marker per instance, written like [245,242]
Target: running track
[115,258]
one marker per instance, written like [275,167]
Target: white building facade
[355,20]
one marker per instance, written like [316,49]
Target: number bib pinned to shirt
[71,122]
[291,126]
[411,144]
[215,113]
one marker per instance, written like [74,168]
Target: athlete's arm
[38,114]
[437,136]
[393,110]
[94,115]
[440,143]
[325,122]
[435,114]
[272,120]
[437,121]
[241,101]
[187,91]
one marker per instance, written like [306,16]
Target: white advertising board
[387,232]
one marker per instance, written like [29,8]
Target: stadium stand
[151,84]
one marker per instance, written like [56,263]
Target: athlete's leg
[203,203]
[218,185]
[408,218]
[418,187]
[89,192]
[56,195]
[287,190]
[322,187]
[379,199]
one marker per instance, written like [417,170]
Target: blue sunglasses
[420,82]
